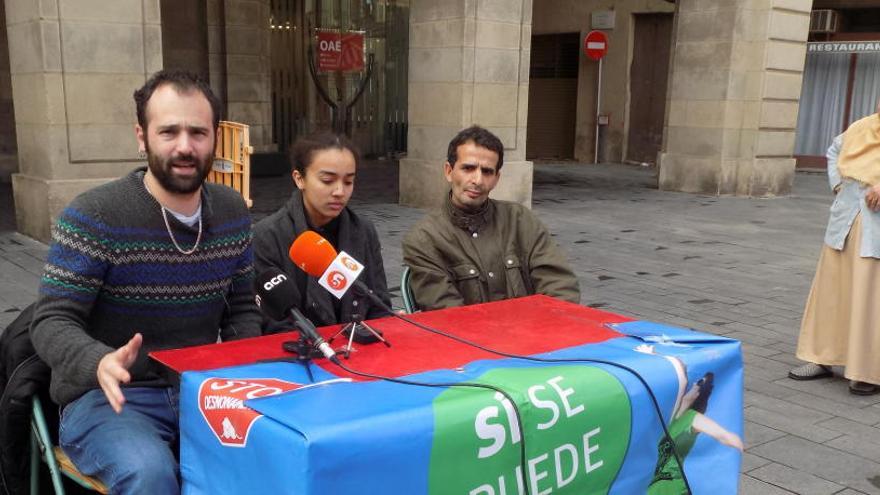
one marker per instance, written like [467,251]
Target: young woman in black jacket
[324,171]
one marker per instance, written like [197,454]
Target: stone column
[468,64]
[248,83]
[74,66]
[733,96]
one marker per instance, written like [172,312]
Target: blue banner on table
[585,428]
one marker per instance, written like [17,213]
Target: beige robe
[841,324]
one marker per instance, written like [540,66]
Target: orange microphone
[312,253]
[337,273]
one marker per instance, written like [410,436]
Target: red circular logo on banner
[596,45]
[337,280]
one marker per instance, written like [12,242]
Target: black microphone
[274,296]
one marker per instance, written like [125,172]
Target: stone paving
[730,266]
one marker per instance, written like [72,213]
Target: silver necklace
[171,234]
[168,227]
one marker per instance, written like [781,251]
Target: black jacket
[273,236]
[22,375]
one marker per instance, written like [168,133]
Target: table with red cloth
[254,420]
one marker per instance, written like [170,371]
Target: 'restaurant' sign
[844,47]
[340,50]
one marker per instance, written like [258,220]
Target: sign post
[595,47]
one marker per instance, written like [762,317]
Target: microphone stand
[304,352]
[357,324]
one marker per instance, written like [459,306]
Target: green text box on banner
[576,422]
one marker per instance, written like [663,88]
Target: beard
[162,170]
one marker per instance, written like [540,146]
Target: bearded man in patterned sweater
[154,260]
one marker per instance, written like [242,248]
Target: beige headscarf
[860,155]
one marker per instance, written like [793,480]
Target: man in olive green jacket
[475,249]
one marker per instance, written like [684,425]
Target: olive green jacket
[510,254]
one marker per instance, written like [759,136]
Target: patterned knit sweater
[113,271]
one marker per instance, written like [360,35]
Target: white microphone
[335,272]
[341,275]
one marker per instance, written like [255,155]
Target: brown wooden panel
[648,77]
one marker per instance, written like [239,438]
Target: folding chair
[232,159]
[54,457]
[409,301]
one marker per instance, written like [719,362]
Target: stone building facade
[728,110]
[469,64]
[73,67]
[735,82]
[616,100]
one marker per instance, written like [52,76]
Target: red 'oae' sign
[340,51]
[596,45]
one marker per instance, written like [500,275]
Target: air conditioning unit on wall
[825,21]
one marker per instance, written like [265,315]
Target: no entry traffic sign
[596,45]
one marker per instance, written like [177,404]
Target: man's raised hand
[113,370]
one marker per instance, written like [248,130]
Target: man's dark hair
[479,136]
[184,82]
[304,149]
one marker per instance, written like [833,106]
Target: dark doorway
[288,39]
[8,146]
[648,77]
[378,118]
[552,96]
[7,208]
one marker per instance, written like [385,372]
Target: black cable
[519,422]
[574,360]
